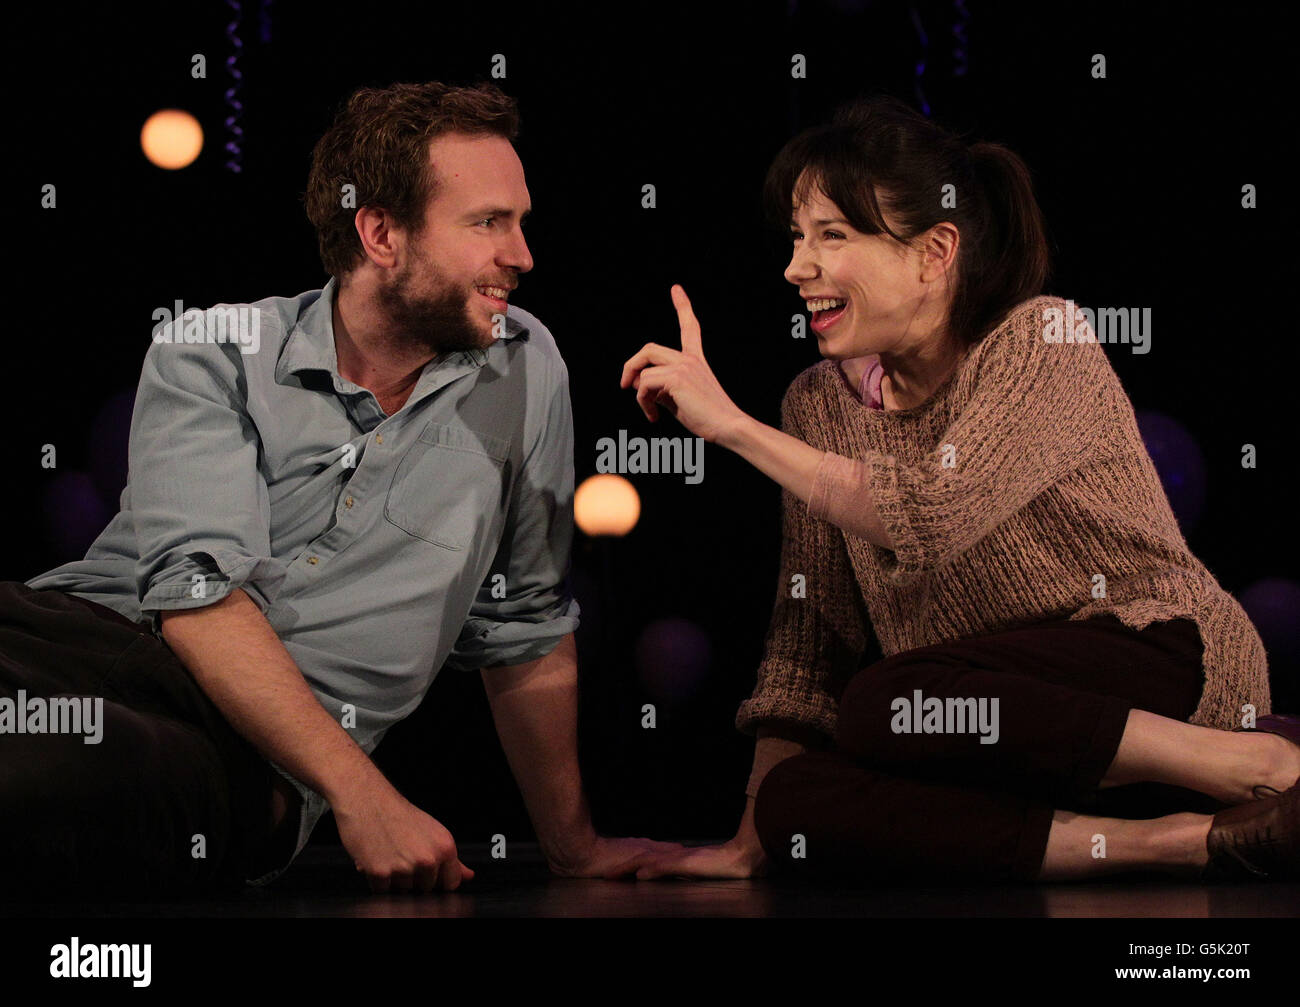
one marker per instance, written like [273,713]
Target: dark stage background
[1139,175]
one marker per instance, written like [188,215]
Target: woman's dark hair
[880,149]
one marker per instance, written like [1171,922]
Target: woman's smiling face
[875,278]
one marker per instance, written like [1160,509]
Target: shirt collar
[310,345]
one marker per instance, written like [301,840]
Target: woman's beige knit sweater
[1019,492]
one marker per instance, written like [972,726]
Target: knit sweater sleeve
[817,635]
[1037,411]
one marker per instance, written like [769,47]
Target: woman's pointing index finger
[690,326]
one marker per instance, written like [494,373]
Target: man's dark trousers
[170,801]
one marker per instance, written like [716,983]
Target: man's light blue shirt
[378,547]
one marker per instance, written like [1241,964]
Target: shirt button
[312,560]
[379,438]
[347,502]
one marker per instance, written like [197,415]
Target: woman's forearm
[833,486]
[767,753]
[788,460]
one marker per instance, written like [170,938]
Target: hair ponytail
[1013,262]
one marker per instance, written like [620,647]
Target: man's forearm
[240,663]
[535,707]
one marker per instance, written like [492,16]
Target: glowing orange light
[171,138]
[606,505]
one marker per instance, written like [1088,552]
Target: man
[316,520]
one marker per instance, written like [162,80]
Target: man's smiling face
[459,269]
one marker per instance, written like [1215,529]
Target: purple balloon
[1272,604]
[1179,462]
[109,437]
[672,658]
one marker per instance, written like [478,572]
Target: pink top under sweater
[869,388]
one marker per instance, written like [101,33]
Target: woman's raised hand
[681,380]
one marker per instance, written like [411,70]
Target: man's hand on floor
[732,859]
[610,856]
[397,846]
[742,856]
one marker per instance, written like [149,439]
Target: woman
[1057,663]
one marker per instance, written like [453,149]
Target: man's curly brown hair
[379,142]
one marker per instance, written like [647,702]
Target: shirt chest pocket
[448,484]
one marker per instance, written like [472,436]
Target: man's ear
[379,237]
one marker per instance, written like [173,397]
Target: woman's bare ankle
[1081,846]
[1278,762]
[1177,843]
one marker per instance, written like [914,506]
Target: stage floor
[323,883]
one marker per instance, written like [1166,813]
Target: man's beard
[436,323]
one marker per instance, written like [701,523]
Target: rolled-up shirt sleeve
[200,504]
[524,616]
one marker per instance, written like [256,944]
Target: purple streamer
[264,22]
[920,66]
[234,163]
[959,33]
